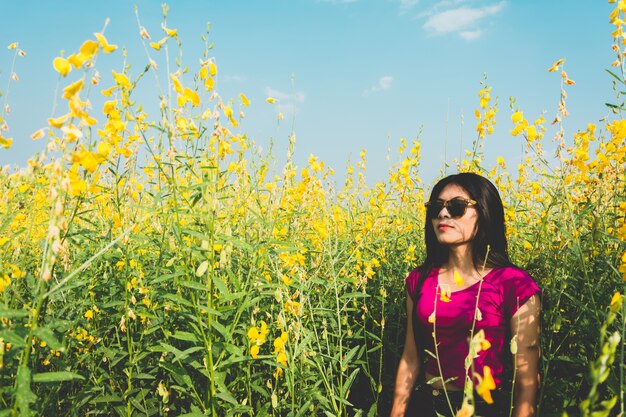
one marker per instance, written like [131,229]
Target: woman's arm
[408,369]
[525,324]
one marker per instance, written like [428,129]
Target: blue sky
[352,74]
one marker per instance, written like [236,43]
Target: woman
[467,288]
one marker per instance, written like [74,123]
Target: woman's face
[454,231]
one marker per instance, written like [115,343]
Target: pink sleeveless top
[503,291]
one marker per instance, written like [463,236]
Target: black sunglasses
[456,207]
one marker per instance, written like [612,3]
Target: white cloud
[459,19]
[471,34]
[297,97]
[406,5]
[234,78]
[338,1]
[440,5]
[286,103]
[384,84]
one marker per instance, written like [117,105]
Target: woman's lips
[444,226]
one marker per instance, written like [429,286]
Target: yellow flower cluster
[521,125]
[257,336]
[224,223]
[280,352]
[85,55]
[486,115]
[5,280]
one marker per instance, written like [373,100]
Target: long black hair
[489,245]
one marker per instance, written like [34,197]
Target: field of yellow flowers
[155,264]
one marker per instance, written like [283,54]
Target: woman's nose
[443,213]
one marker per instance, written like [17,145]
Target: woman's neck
[460,259]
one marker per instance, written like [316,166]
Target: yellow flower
[616,302]
[445,294]
[279,342]
[254,351]
[431,318]
[486,385]
[61,65]
[271,100]
[76,184]
[170,32]
[192,96]
[121,79]
[212,69]
[257,334]
[157,45]
[72,89]
[466,410]
[58,122]
[178,87]
[209,83]
[38,134]
[293,307]
[485,344]
[104,44]
[458,280]
[4,282]
[77,60]
[109,91]
[531,132]
[556,65]
[104,149]
[72,133]
[88,49]
[5,142]
[88,314]
[517,117]
[244,100]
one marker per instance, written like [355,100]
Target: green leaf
[24,396]
[144,376]
[220,285]
[47,335]
[348,384]
[222,330]
[189,337]
[56,376]
[227,396]
[167,277]
[194,285]
[186,353]
[350,355]
[177,299]
[618,78]
[107,399]
[12,337]
[355,295]
[7,313]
